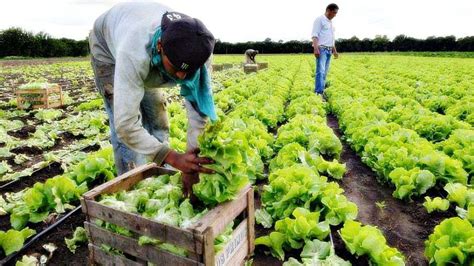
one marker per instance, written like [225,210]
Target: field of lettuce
[379,171]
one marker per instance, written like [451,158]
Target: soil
[406,225]
[63,141]
[41,175]
[27,150]
[40,61]
[23,133]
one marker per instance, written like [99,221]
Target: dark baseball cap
[186,41]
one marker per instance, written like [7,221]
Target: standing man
[324,45]
[137,50]
[250,56]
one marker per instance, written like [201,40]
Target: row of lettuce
[412,148]
[299,202]
[442,85]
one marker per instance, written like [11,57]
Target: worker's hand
[316,52]
[188,181]
[336,55]
[189,162]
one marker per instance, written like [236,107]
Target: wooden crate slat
[31,91]
[251,221]
[209,254]
[236,246]
[239,256]
[143,226]
[103,258]
[100,236]
[55,105]
[219,217]
[35,99]
[55,89]
[126,181]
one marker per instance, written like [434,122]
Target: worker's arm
[334,50]
[196,124]
[196,120]
[190,163]
[128,94]
[191,159]
[315,47]
[315,35]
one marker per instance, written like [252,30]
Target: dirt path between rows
[406,225]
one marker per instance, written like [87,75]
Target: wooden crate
[262,65]
[197,240]
[250,68]
[41,98]
[227,65]
[217,67]
[221,67]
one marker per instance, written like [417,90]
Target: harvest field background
[392,146]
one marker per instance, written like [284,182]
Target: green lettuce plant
[12,240]
[292,232]
[436,204]
[452,242]
[368,240]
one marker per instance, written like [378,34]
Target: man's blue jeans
[322,67]
[153,111]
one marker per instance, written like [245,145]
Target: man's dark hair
[332,7]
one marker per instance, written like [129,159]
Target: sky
[253,20]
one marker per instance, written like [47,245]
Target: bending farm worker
[139,49]
[250,56]
[324,45]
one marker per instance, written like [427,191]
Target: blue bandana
[195,88]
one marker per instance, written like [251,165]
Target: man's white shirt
[324,31]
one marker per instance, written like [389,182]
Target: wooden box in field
[262,65]
[227,66]
[50,96]
[217,67]
[197,240]
[221,67]
[250,68]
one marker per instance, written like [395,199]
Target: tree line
[400,43]
[19,42]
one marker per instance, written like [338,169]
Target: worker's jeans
[322,68]
[153,111]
